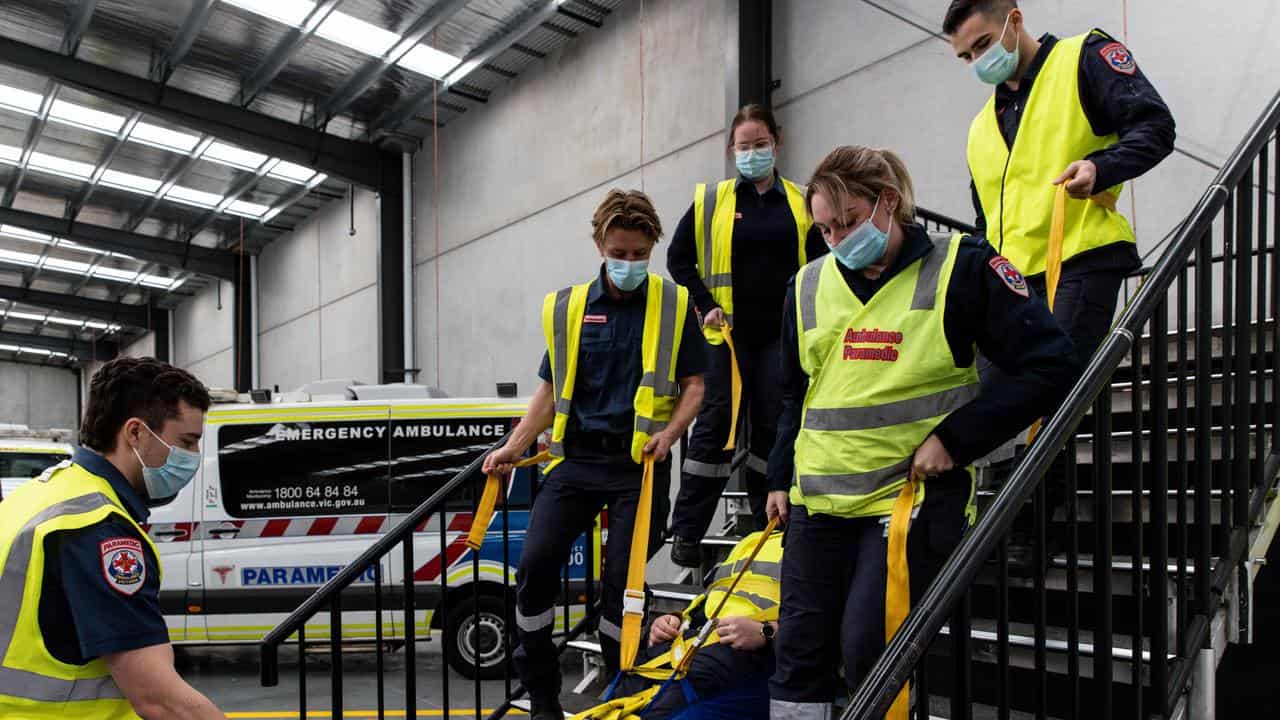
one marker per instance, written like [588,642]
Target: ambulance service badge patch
[1010,276]
[1118,58]
[124,564]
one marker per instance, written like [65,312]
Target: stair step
[1022,635]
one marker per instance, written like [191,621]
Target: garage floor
[229,676]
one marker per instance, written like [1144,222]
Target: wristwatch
[768,631]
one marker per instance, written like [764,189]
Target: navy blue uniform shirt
[1120,101]
[1014,331]
[609,367]
[83,613]
[763,260]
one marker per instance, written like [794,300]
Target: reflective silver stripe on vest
[760,601]
[889,414]
[760,567]
[708,214]
[808,307]
[930,269]
[718,280]
[25,683]
[557,449]
[707,470]
[560,332]
[854,483]
[660,380]
[563,406]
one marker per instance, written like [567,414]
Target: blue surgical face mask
[177,471]
[755,164]
[997,64]
[626,274]
[864,245]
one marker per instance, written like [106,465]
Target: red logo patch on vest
[595,319]
[1118,58]
[1010,276]
[124,564]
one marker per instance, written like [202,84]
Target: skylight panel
[426,60]
[291,171]
[163,283]
[10,348]
[357,34]
[164,138]
[25,234]
[192,196]
[70,322]
[247,209]
[130,182]
[61,166]
[22,101]
[19,258]
[289,12]
[86,117]
[10,154]
[115,274]
[232,155]
[69,266]
[35,317]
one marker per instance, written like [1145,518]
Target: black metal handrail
[329,597]
[1151,306]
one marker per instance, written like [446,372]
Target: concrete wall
[521,176]
[318,299]
[202,335]
[39,397]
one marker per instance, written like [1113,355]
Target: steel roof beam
[347,159]
[279,57]
[99,350]
[407,109]
[206,261]
[182,42]
[373,70]
[81,13]
[103,310]
[34,131]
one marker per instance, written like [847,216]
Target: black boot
[686,553]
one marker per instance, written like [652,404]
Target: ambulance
[293,488]
[25,453]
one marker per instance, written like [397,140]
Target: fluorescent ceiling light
[19,258]
[116,274]
[69,266]
[164,138]
[86,117]
[130,182]
[192,196]
[10,154]
[429,61]
[61,166]
[232,155]
[20,100]
[357,34]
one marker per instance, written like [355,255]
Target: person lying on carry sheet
[728,673]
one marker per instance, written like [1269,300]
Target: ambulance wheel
[477,641]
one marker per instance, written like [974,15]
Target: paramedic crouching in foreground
[879,341]
[80,621]
[622,380]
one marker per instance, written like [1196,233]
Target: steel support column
[158,318]
[755,52]
[244,333]
[391,260]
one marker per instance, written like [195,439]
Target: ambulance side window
[305,468]
[427,453]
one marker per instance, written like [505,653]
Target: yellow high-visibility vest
[34,684]
[714,210]
[881,378]
[1014,185]
[666,305]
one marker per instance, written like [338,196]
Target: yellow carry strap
[1053,262]
[897,589]
[735,388]
[633,595]
[489,500]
